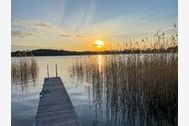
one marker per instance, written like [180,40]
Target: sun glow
[99,44]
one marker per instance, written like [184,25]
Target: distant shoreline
[53,52]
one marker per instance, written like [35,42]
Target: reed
[136,89]
[23,70]
[140,88]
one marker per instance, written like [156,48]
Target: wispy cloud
[82,26]
[40,28]
[80,36]
[78,23]
[41,34]
[64,35]
[23,34]
[80,19]
[72,36]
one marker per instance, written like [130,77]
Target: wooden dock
[55,107]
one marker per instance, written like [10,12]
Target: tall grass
[139,89]
[136,89]
[24,70]
[159,41]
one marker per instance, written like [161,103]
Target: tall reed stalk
[24,70]
[139,89]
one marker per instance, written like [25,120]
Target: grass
[24,70]
[136,89]
[139,89]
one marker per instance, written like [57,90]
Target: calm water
[25,97]
[91,108]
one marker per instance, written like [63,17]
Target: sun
[99,44]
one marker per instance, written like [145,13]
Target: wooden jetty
[55,107]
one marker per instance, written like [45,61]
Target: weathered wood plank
[55,107]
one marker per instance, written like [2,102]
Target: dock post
[47,71]
[56,70]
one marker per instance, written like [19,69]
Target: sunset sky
[77,24]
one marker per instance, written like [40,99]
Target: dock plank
[55,107]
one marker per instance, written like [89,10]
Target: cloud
[23,33]
[44,34]
[42,24]
[80,36]
[62,35]
[80,19]
[32,25]
[77,36]
[41,29]
[37,28]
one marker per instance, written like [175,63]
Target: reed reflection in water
[139,89]
[24,70]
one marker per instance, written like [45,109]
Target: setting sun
[99,44]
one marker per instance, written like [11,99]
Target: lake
[101,91]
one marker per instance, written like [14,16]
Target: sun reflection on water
[100,61]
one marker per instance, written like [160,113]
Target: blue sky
[76,24]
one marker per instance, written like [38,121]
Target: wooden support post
[56,70]
[47,71]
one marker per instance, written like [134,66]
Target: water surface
[86,81]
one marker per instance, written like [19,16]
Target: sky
[77,24]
